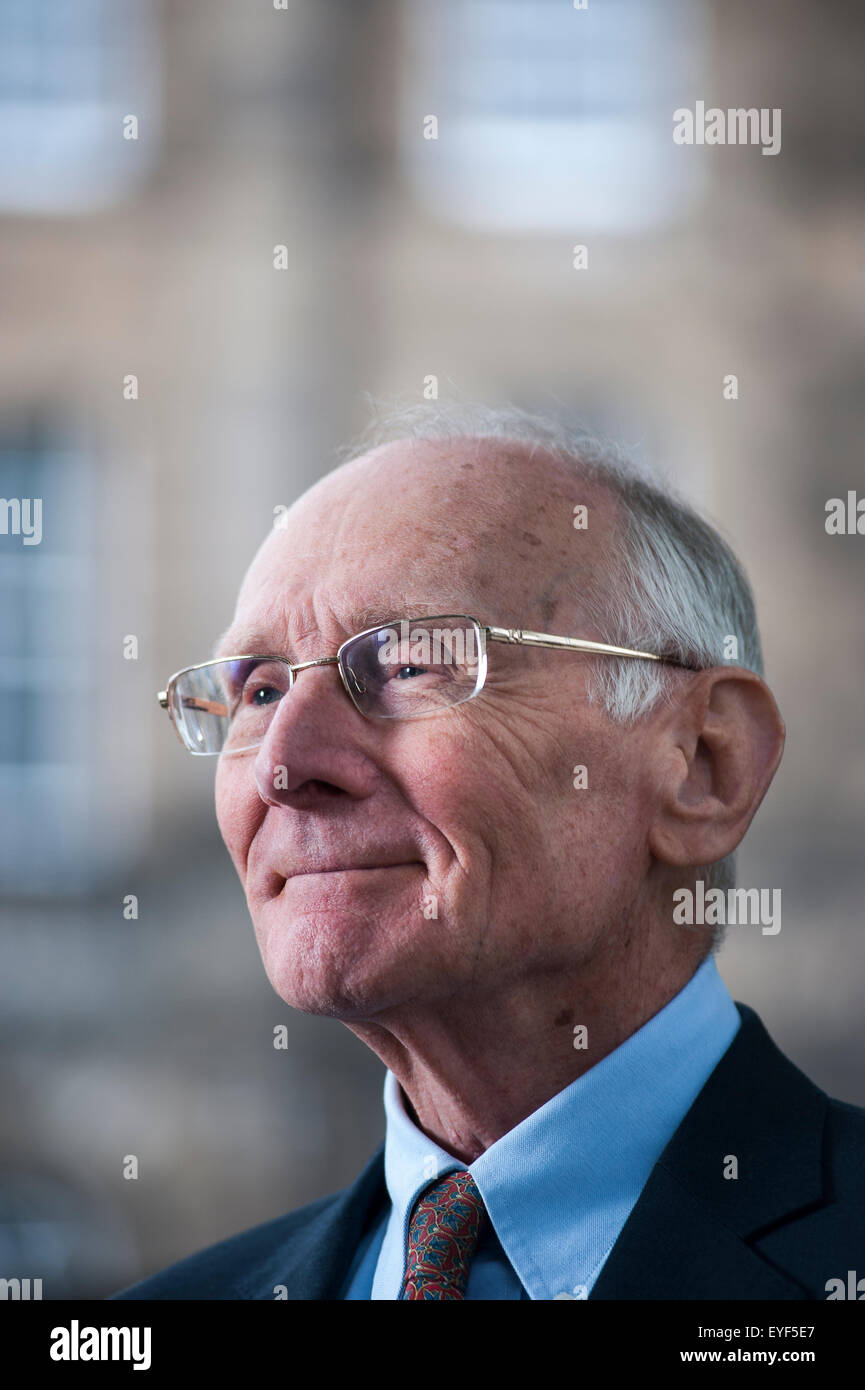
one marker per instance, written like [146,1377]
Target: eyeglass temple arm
[581,644]
[193,702]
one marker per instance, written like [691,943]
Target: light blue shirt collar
[560,1186]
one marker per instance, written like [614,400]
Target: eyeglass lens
[403,671]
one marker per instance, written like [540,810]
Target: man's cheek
[236,814]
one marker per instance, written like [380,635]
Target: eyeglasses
[403,669]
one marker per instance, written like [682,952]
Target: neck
[472,1068]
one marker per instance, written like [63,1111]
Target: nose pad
[357,685]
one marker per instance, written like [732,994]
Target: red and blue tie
[442,1238]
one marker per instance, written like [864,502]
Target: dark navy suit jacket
[793,1219]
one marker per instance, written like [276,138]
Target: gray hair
[678,589]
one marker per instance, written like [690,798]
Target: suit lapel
[313,1262]
[673,1247]
[694,1233]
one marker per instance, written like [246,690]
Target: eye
[265,695]
[252,688]
[406,672]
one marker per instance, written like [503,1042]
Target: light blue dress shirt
[560,1186]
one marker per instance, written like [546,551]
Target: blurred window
[70,71]
[45,664]
[551,118]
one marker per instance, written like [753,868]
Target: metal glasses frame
[513,635]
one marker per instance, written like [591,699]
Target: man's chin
[336,964]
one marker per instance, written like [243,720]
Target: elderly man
[480,735]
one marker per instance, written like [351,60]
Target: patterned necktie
[442,1237]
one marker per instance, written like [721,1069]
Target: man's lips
[338,868]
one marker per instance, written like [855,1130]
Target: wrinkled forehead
[488,536]
[344,589]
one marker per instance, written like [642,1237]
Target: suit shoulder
[855,1114]
[220,1271]
[846,1136]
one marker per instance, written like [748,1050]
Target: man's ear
[718,747]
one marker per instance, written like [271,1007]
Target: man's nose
[313,750]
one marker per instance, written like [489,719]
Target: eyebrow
[239,645]
[223,647]
[246,641]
